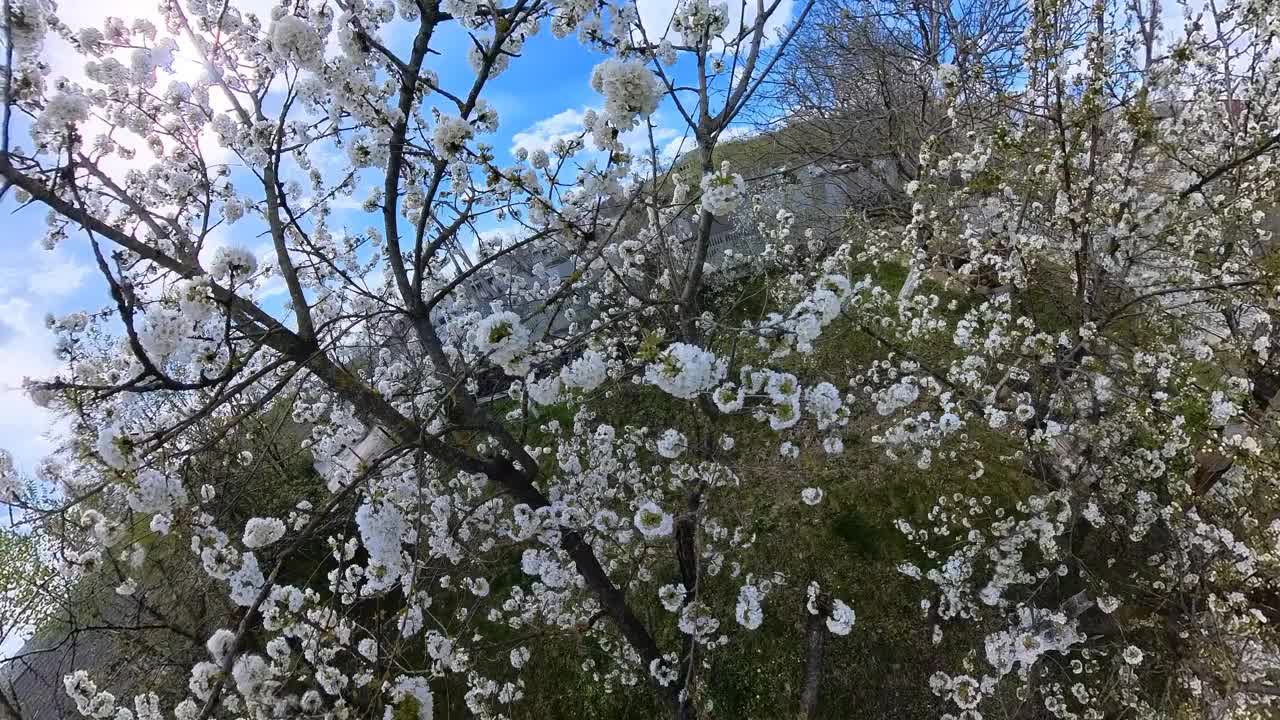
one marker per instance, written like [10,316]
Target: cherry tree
[1081,343]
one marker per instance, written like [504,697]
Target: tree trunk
[816,641]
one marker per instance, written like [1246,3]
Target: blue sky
[541,97]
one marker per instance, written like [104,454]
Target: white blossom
[840,622]
[811,495]
[672,444]
[630,90]
[722,191]
[260,532]
[685,370]
[651,521]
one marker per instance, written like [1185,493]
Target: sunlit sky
[540,98]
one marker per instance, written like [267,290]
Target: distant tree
[861,88]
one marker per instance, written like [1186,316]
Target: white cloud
[42,275]
[57,276]
[25,351]
[543,134]
[33,283]
[567,124]
[676,147]
[637,142]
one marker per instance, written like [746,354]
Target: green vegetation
[849,543]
